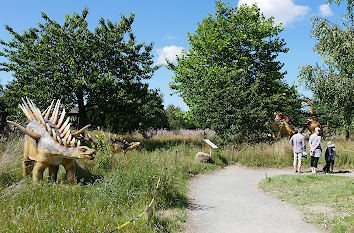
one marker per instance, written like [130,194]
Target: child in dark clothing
[330,155]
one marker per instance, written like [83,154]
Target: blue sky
[166,23]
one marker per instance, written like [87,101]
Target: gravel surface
[229,201]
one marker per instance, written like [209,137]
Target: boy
[330,155]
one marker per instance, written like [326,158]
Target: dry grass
[280,154]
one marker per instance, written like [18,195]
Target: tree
[350,6]
[3,112]
[81,67]
[175,121]
[332,84]
[230,78]
[140,109]
[177,118]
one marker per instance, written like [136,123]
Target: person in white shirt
[315,149]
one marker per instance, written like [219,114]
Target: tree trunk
[82,109]
[347,134]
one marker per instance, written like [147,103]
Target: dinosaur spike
[54,117]
[89,136]
[54,135]
[24,110]
[27,108]
[48,128]
[69,138]
[80,131]
[36,112]
[64,125]
[33,135]
[61,118]
[32,107]
[67,135]
[72,142]
[45,111]
[64,142]
[59,140]
[50,132]
[67,128]
[49,110]
[78,143]
[31,104]
[39,115]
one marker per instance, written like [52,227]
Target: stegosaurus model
[50,143]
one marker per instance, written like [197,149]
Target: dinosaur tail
[33,135]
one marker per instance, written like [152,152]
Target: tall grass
[114,188]
[280,154]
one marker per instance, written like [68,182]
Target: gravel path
[230,201]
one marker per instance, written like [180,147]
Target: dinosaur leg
[53,172]
[38,172]
[70,171]
[27,162]
[27,166]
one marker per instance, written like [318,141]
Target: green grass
[113,189]
[325,200]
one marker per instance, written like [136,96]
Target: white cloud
[169,53]
[325,10]
[168,37]
[283,11]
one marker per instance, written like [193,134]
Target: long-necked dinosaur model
[50,143]
[312,122]
[116,142]
[280,126]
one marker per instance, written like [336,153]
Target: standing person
[330,155]
[315,148]
[297,141]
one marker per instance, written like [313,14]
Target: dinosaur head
[132,145]
[84,152]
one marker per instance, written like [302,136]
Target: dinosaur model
[116,142]
[312,122]
[282,127]
[50,143]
